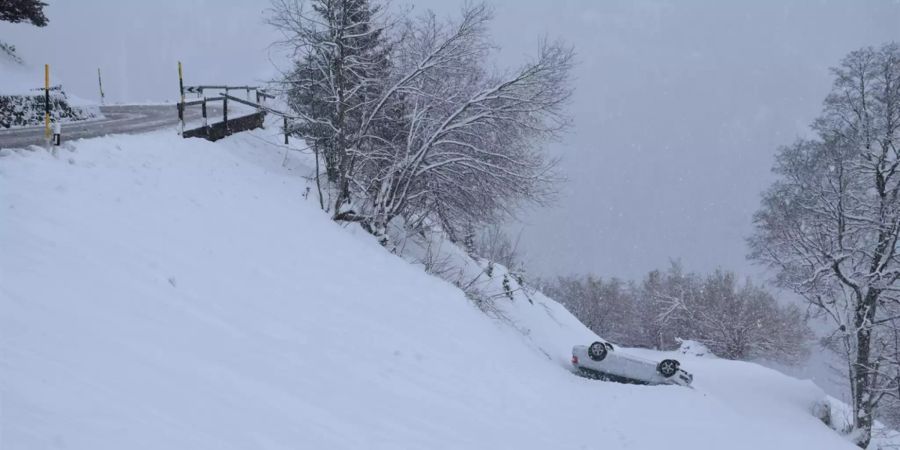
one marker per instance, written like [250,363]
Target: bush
[28,110]
[734,321]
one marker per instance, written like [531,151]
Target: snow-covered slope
[161,293]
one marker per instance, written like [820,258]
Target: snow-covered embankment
[159,293]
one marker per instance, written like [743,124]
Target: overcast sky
[679,105]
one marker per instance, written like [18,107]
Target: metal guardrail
[56,88]
[260,92]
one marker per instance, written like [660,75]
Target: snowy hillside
[161,293]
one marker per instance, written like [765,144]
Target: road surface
[128,119]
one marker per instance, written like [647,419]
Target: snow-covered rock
[694,348]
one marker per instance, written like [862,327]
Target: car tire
[597,351]
[668,367]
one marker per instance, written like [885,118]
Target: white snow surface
[163,293]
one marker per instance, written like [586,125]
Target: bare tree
[662,298]
[606,307]
[418,127]
[495,245]
[470,142]
[829,225]
[735,322]
[340,62]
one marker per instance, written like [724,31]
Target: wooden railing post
[181,91]
[47,103]
[100,82]
[285,130]
[225,113]
[203,107]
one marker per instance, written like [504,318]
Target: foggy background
[678,107]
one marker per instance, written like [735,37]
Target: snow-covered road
[128,119]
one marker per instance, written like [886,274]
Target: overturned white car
[602,361]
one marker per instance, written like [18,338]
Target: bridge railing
[260,93]
[227,127]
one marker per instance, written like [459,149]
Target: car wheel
[597,351]
[668,367]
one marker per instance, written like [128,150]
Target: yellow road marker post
[181,103]
[47,102]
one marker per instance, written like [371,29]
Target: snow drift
[162,293]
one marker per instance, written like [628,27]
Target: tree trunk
[863,404]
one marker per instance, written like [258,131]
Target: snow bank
[694,348]
[161,293]
[840,417]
